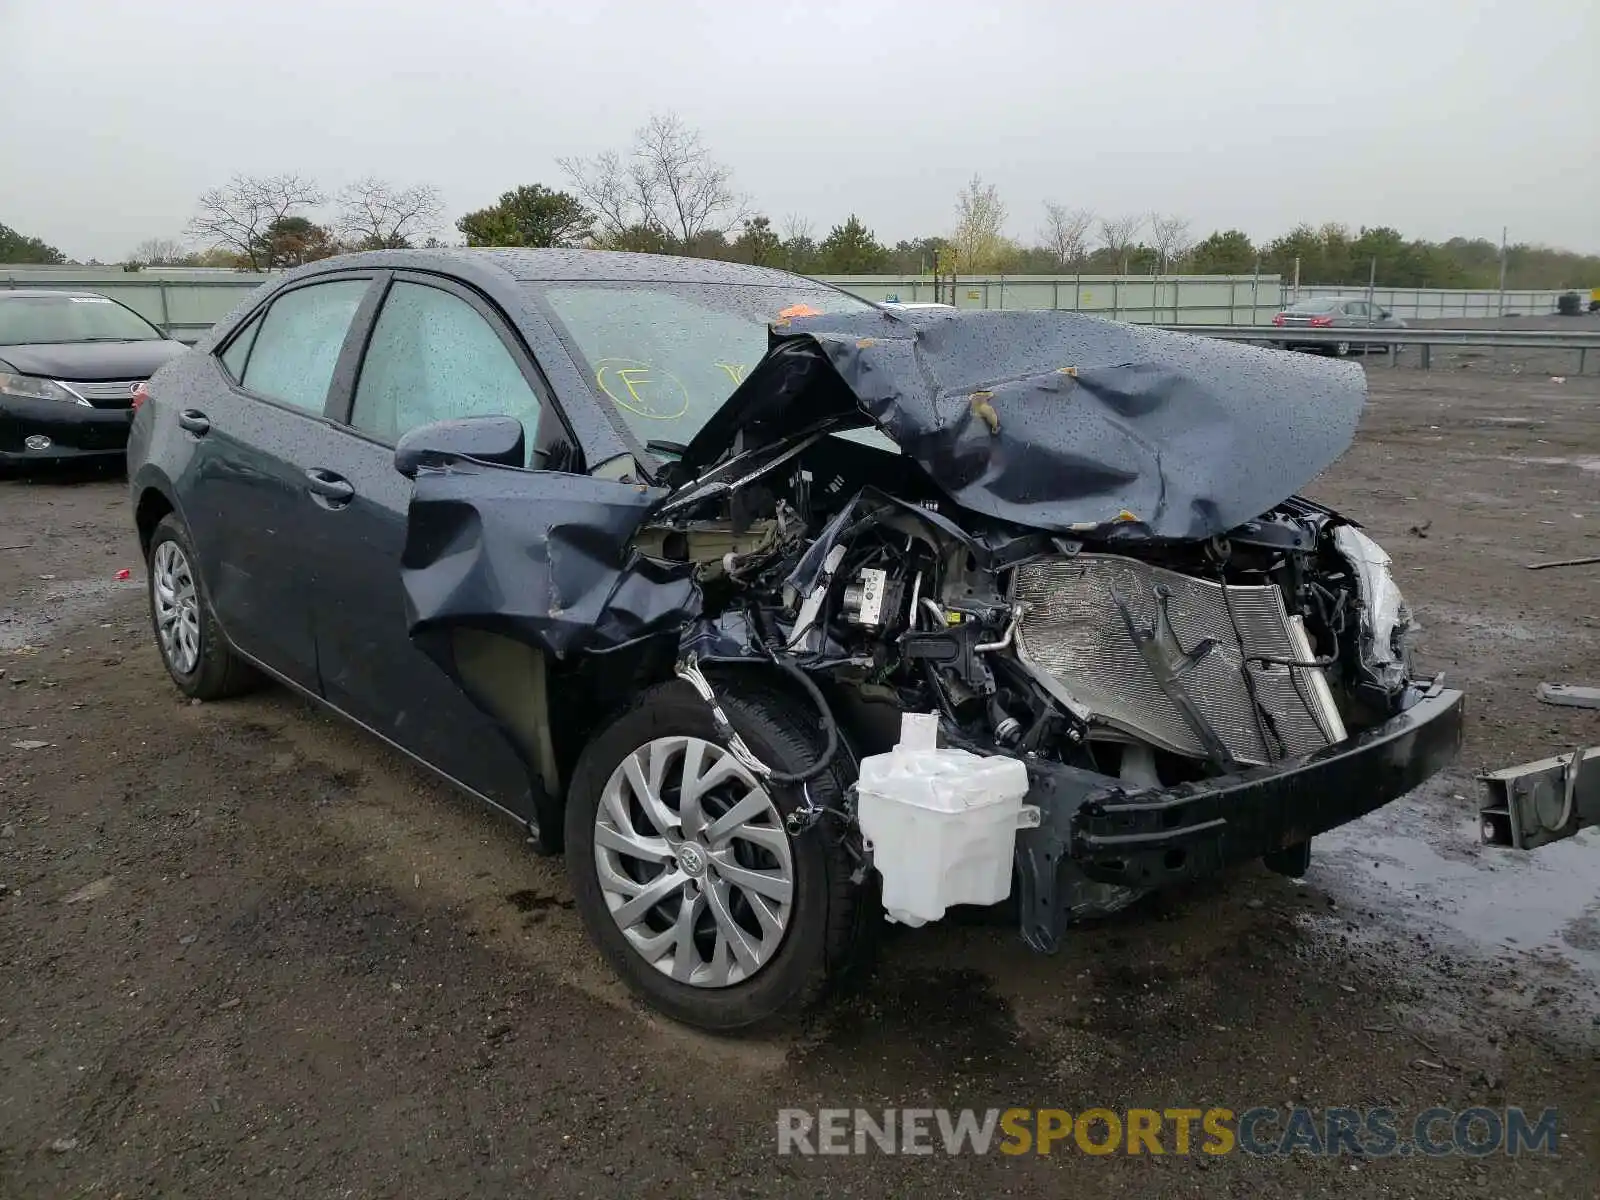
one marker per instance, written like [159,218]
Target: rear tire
[1341,349]
[678,955]
[188,637]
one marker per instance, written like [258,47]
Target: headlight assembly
[31,387]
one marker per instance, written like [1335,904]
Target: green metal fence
[187,302]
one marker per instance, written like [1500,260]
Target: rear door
[436,351]
[244,492]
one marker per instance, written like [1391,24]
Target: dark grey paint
[1059,421]
[300,522]
[499,276]
[323,561]
[540,556]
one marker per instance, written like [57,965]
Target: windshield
[1312,306]
[668,354]
[58,319]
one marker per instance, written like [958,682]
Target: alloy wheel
[693,861]
[177,607]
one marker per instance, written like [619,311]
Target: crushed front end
[1040,531]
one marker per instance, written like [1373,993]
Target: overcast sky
[1436,116]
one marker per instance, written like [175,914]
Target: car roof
[549,265]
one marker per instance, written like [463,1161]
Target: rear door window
[434,357]
[298,344]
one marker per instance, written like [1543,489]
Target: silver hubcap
[177,607]
[694,862]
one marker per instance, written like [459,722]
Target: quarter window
[238,351]
[433,357]
[298,344]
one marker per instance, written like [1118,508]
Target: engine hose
[689,671]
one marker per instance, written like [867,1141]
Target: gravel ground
[247,951]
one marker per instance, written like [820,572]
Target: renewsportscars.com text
[1261,1131]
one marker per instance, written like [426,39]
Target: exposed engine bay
[1156,663]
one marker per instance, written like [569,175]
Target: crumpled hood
[1056,420]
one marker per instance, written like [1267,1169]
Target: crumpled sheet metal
[540,556]
[1060,421]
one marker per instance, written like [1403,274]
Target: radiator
[1073,635]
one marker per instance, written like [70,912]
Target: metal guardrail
[1579,341]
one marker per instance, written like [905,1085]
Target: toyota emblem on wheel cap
[691,859]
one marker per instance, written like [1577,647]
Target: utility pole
[1372,281]
[1502,309]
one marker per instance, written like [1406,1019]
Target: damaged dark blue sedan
[654,554]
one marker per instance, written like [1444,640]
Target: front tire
[192,647]
[684,873]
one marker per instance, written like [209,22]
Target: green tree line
[534,215]
[666,193]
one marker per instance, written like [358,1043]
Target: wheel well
[153,505]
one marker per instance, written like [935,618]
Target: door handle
[335,489]
[195,421]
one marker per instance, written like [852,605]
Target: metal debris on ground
[1564,562]
[1569,695]
[1536,803]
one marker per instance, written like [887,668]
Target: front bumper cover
[74,430]
[1099,845]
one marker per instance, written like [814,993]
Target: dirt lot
[247,952]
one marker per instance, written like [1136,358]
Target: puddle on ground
[1427,869]
[60,605]
[1550,633]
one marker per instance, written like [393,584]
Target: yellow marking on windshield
[735,371]
[642,388]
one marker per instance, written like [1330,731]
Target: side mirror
[1385,313]
[498,440]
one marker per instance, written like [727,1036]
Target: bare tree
[1120,235]
[689,192]
[159,252]
[669,184]
[606,188]
[1170,235]
[376,215]
[239,215]
[1066,233]
[796,227]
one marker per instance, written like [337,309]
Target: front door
[436,352]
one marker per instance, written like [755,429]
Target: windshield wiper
[662,446]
